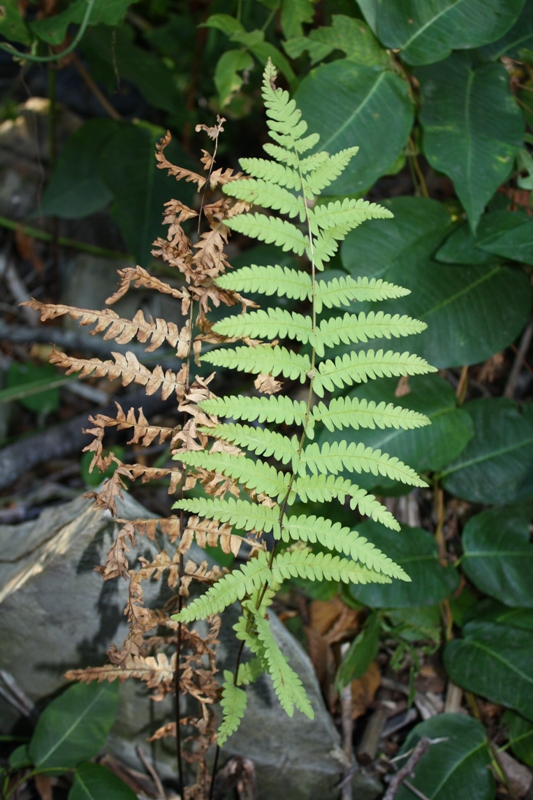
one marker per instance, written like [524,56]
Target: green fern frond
[334,536]
[268,195]
[259,440]
[283,281]
[285,124]
[233,586]
[311,163]
[327,169]
[233,704]
[286,682]
[253,474]
[355,412]
[334,457]
[261,359]
[271,230]
[275,173]
[244,515]
[250,671]
[325,245]
[362,327]
[301,563]
[348,213]
[271,324]
[323,488]
[359,367]
[276,408]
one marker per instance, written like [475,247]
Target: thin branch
[397,780]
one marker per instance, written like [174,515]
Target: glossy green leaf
[94,782]
[495,662]
[496,467]
[74,726]
[483,128]
[30,375]
[104,12]
[416,551]
[360,654]
[449,767]
[428,30]
[520,733]
[425,449]
[507,234]
[461,247]
[348,105]
[139,189]
[518,37]
[12,26]
[76,188]
[471,312]
[498,557]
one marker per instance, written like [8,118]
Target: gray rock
[57,614]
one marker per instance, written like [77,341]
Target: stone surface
[57,614]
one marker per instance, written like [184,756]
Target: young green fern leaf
[286,187]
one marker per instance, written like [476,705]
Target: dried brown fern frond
[162,653]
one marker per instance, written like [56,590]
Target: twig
[415,791]
[454,696]
[519,361]
[11,691]
[92,86]
[155,777]
[44,236]
[396,781]
[347,730]
[65,439]
[366,752]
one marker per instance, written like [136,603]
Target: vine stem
[303,437]
[57,56]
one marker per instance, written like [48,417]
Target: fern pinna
[289,184]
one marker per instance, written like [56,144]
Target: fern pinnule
[233,704]
[261,409]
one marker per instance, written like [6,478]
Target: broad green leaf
[471,313]
[483,128]
[12,26]
[495,662]
[225,23]
[416,552]
[518,37]
[428,30]
[418,226]
[449,767]
[461,247]
[498,557]
[295,13]
[348,105]
[520,734]
[227,78]
[19,758]
[104,12]
[139,189]
[507,234]
[350,35]
[95,782]
[117,50]
[74,726]
[29,375]
[496,466]
[491,611]
[76,188]
[360,654]
[425,449]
